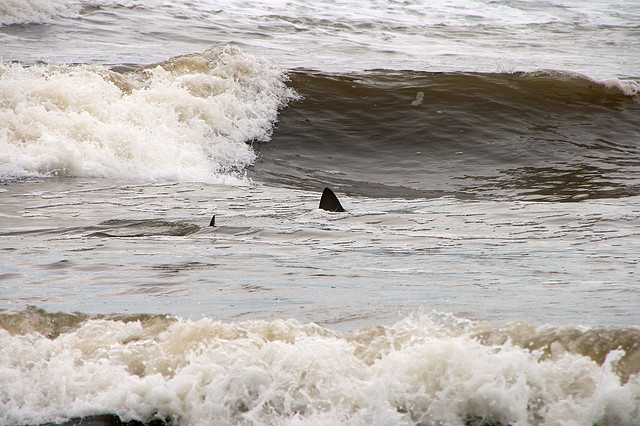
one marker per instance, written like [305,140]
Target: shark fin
[329,201]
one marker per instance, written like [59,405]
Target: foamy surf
[25,12]
[424,369]
[185,119]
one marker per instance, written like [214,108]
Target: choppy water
[597,37]
[485,271]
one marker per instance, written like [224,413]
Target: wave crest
[186,119]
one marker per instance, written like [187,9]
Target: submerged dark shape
[133,228]
[329,201]
[106,420]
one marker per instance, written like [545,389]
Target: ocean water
[485,270]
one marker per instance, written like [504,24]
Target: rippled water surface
[104,246]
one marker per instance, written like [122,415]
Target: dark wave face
[545,136]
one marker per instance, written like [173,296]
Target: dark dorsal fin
[329,201]
[213,221]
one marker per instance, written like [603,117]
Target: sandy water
[485,271]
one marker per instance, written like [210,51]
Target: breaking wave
[187,119]
[424,369]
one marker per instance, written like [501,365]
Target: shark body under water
[328,202]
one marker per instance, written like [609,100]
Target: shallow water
[484,272]
[104,246]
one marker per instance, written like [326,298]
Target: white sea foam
[282,372]
[24,12]
[626,87]
[188,118]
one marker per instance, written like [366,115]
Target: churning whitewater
[187,118]
[420,370]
